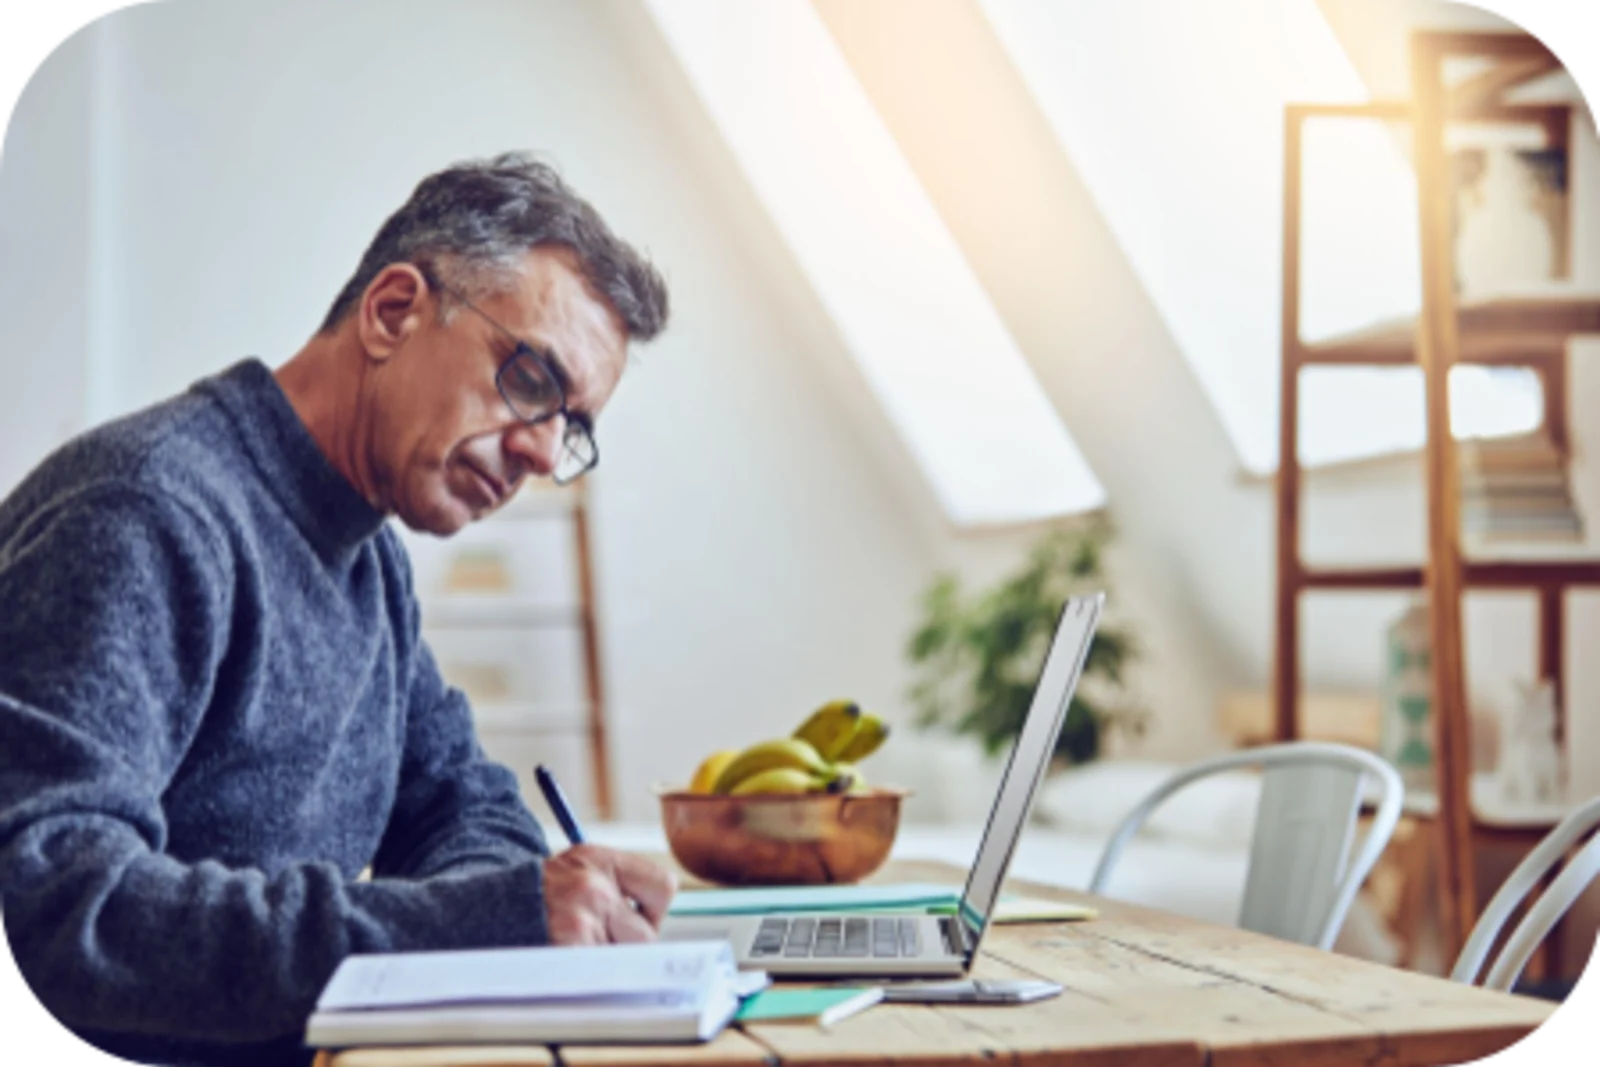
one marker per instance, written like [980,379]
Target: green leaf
[977,658]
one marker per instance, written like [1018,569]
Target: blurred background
[952,279]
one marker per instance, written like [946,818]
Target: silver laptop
[836,943]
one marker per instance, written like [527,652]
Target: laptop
[882,945]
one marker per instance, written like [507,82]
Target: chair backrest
[1302,877]
[1545,912]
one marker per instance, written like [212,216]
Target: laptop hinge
[954,933]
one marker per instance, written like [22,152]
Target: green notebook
[824,1006]
[904,896]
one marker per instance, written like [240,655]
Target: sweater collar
[322,503]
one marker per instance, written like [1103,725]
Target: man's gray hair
[471,224]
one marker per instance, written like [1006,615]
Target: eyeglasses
[533,386]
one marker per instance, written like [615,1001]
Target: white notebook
[660,992]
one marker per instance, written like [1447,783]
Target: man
[215,707]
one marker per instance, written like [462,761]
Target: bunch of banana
[842,733]
[783,766]
[819,758]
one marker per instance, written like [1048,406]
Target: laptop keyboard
[837,937]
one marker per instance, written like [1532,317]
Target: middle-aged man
[216,710]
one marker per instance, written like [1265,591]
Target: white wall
[44,253]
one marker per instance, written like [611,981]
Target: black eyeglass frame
[577,422]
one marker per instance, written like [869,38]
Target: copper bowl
[781,839]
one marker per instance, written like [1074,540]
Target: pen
[558,804]
[563,812]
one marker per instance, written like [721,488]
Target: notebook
[824,1006]
[903,896]
[897,897]
[1033,910]
[684,991]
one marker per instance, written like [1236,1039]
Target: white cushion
[1094,797]
[1219,810]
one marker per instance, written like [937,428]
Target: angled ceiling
[943,367]
[1173,116]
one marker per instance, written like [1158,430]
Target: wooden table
[1143,989]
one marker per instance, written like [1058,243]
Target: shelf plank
[1493,574]
[1489,810]
[1531,328]
[492,611]
[1490,86]
[1477,43]
[530,717]
[1520,573]
[1361,577]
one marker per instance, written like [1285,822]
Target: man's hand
[591,893]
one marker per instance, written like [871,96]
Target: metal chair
[1301,878]
[1545,912]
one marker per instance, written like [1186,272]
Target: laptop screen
[1029,758]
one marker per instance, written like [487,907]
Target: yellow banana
[780,780]
[705,775]
[850,780]
[830,727]
[788,752]
[871,732]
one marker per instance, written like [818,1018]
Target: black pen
[563,812]
[558,804]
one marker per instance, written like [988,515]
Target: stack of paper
[661,992]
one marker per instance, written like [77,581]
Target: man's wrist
[541,906]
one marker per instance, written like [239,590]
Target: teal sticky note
[824,1005]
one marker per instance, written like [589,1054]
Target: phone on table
[970,991]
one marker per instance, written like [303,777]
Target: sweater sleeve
[455,809]
[114,615]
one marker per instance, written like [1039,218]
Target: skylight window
[1173,115]
[911,311]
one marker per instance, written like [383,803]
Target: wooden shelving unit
[1525,330]
[517,632]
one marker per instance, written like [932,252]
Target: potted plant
[977,658]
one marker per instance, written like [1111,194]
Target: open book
[682,991]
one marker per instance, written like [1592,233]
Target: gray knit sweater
[215,711]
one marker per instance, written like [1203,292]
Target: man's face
[446,449]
